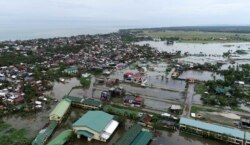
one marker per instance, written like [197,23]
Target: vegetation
[196,109]
[85,81]
[196,36]
[11,136]
[10,58]
[200,88]
[226,92]
[30,92]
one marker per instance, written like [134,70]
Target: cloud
[127,12]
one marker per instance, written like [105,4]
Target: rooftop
[61,108]
[44,134]
[135,136]
[88,101]
[72,68]
[62,138]
[213,128]
[96,120]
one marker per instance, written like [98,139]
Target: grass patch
[200,88]
[12,136]
[197,109]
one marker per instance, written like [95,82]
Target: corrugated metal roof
[44,134]
[213,128]
[62,138]
[88,101]
[61,108]
[143,138]
[129,136]
[96,120]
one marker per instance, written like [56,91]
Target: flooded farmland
[197,48]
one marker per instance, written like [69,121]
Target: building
[62,138]
[247,138]
[175,108]
[135,136]
[71,70]
[229,135]
[132,100]
[88,103]
[60,110]
[44,134]
[245,122]
[96,125]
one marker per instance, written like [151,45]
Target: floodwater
[162,138]
[176,138]
[197,48]
[202,59]
[32,123]
[200,75]
[61,89]
[154,77]
[154,93]
[78,92]
[197,99]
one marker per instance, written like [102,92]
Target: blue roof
[213,128]
[247,136]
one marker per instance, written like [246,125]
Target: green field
[197,36]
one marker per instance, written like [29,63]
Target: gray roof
[213,128]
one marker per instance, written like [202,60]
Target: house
[175,108]
[138,101]
[128,99]
[19,100]
[71,70]
[128,76]
[117,91]
[138,78]
[2,77]
[145,120]
[245,122]
[87,103]
[105,96]
[96,125]
[112,82]
[60,110]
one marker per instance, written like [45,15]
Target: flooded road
[188,101]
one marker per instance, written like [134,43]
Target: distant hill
[228,29]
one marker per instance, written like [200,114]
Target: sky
[41,14]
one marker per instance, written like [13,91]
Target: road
[188,101]
[91,87]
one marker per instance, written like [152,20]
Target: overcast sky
[126,12]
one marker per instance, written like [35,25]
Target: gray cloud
[126,12]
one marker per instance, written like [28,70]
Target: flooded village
[105,90]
